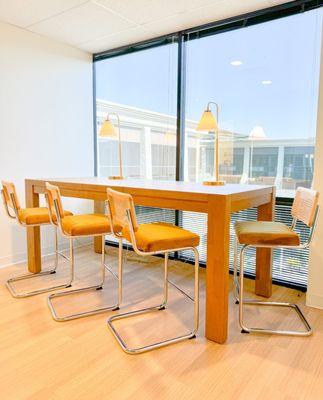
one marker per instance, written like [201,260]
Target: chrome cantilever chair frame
[238,287]
[162,306]
[99,286]
[52,271]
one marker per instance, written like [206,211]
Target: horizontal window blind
[150,214]
[159,136]
[289,266]
[146,215]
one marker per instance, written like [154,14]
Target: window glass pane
[298,165]
[265,81]
[141,87]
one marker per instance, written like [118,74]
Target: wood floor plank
[81,360]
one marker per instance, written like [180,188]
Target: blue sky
[284,51]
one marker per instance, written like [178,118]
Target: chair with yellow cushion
[274,235]
[72,227]
[28,217]
[147,240]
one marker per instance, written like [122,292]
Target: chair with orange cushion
[274,235]
[150,239]
[27,217]
[72,227]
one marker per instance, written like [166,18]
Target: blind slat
[289,266]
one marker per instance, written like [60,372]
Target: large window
[264,78]
[268,98]
[141,88]
[298,165]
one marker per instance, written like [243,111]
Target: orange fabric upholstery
[36,216]
[266,232]
[161,236]
[157,236]
[86,225]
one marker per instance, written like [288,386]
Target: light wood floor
[43,359]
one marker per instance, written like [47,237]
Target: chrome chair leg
[156,345]
[81,290]
[120,272]
[242,302]
[163,305]
[10,281]
[235,271]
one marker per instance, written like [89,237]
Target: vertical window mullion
[95,134]
[181,84]
[180,131]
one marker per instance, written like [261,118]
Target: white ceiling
[99,25]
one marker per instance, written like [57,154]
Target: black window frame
[181,37]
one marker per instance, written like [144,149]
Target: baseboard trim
[46,253]
[314,300]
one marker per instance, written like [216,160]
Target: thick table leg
[217,271]
[264,256]
[33,234]
[98,208]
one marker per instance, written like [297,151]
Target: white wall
[45,121]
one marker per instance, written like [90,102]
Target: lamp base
[213,183]
[116,177]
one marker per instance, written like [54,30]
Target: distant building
[149,151]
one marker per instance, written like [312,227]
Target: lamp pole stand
[120,176]
[216,181]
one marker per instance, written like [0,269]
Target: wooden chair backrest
[119,203]
[10,195]
[304,205]
[53,195]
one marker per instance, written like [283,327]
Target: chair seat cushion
[36,216]
[161,236]
[86,225]
[266,232]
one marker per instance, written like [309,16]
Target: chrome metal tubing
[111,272]
[10,281]
[143,349]
[180,289]
[162,306]
[235,271]
[245,329]
[165,280]
[120,272]
[81,290]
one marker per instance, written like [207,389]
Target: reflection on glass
[141,88]
[265,79]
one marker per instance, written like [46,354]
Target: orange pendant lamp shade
[107,129]
[207,122]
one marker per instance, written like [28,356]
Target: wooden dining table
[218,202]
